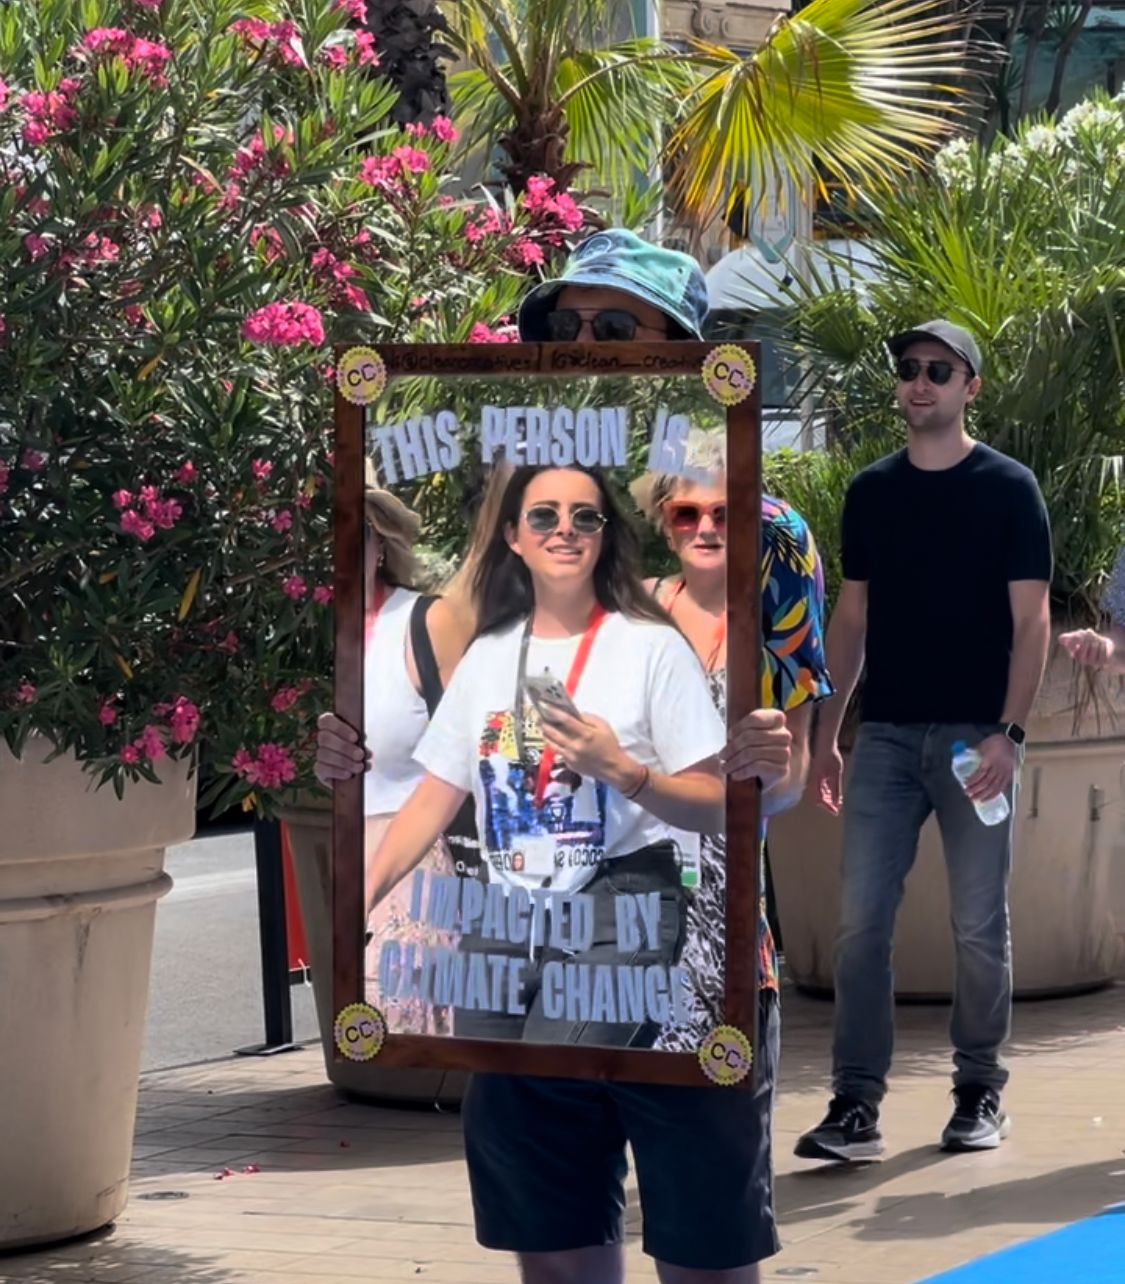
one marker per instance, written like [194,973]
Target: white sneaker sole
[991,1142]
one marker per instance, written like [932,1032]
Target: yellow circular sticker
[361,375]
[360,1031]
[726,1055]
[729,374]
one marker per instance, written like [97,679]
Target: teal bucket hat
[667,279]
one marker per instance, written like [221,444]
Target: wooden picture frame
[743,804]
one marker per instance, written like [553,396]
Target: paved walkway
[348,1191]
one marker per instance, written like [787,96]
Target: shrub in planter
[197,198]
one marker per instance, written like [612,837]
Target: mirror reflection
[545,650]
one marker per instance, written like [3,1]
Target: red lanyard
[378,602]
[547,761]
[720,631]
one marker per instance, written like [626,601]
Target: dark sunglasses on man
[937,372]
[611,325]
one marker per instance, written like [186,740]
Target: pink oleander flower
[282,521]
[147,57]
[122,499]
[36,246]
[271,767]
[335,56]
[183,717]
[5,473]
[149,4]
[26,692]
[285,699]
[152,217]
[490,223]
[294,586]
[151,742]
[445,130]
[134,314]
[33,460]
[261,468]
[130,755]
[480,333]
[164,513]
[282,39]
[230,644]
[365,44]
[540,198]
[186,473]
[132,523]
[107,714]
[5,94]
[285,325]
[323,594]
[355,9]
[304,499]
[527,253]
[412,159]
[380,171]
[48,113]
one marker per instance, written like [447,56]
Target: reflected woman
[570,803]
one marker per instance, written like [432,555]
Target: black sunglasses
[543,519]
[609,326]
[937,372]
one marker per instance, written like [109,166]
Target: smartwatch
[1015,733]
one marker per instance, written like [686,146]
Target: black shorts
[547,1163]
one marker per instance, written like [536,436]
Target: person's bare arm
[450,633]
[786,792]
[420,821]
[844,652]
[1031,639]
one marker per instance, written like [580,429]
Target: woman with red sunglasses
[692,516]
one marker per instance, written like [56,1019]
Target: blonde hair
[705,455]
[397,526]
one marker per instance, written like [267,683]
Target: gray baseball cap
[959,341]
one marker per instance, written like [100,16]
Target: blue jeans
[900,774]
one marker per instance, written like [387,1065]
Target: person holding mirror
[691,515]
[547,1157]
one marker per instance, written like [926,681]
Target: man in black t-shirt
[947,563]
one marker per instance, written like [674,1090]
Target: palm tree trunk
[411,56]
[1032,49]
[1063,56]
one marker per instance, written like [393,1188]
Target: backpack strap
[428,672]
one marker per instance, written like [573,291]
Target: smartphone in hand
[549,695]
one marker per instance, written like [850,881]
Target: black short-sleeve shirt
[937,550]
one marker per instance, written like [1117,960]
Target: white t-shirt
[642,677]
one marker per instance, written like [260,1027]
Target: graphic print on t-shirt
[526,843]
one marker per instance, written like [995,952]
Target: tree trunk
[1063,56]
[411,56]
[1033,41]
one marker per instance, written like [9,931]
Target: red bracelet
[646,776]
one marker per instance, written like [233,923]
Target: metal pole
[276,1005]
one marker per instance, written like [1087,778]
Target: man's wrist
[624,774]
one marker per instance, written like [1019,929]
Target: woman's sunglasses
[543,519]
[610,325]
[682,516]
[937,372]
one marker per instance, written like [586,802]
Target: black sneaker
[849,1132]
[978,1121]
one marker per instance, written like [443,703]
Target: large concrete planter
[80,875]
[1068,875]
[310,836]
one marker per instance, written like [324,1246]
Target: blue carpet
[1092,1252]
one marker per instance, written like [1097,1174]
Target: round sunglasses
[681,515]
[937,372]
[608,326]
[542,519]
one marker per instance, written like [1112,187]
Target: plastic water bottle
[965,764]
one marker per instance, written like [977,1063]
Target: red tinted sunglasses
[681,515]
